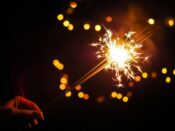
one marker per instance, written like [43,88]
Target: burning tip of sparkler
[122,54]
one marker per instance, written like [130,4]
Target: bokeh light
[66,23]
[68,94]
[60,17]
[73,4]
[131,84]
[145,75]
[171,22]
[100,99]
[164,70]
[70,27]
[108,19]
[62,86]
[86,96]
[154,74]
[125,99]
[119,96]
[81,94]
[97,27]
[64,80]
[174,72]
[86,26]
[151,21]
[78,87]
[129,94]
[114,94]
[137,78]
[168,79]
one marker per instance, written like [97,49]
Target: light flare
[123,55]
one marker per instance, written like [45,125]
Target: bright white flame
[123,55]
[119,55]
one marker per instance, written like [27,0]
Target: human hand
[23,110]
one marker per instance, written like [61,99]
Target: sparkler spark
[122,54]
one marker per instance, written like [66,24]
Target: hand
[22,111]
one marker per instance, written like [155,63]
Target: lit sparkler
[121,55]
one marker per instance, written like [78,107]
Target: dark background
[34,37]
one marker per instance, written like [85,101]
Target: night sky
[35,38]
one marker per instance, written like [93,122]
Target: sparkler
[121,54]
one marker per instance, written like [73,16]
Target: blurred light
[174,72]
[60,66]
[60,17]
[114,94]
[69,11]
[80,94]
[73,4]
[129,94]
[56,62]
[100,99]
[68,94]
[66,23]
[108,19]
[137,78]
[125,99]
[86,96]
[164,70]
[119,96]
[78,87]
[168,79]
[144,75]
[63,80]
[97,27]
[62,86]
[86,26]
[154,75]
[70,27]
[131,84]
[171,22]
[151,21]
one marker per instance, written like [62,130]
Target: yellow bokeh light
[70,27]
[164,70]
[62,86]
[125,99]
[60,66]
[97,27]
[60,17]
[119,96]
[64,80]
[86,26]
[174,72]
[73,4]
[154,75]
[114,94]
[145,75]
[137,78]
[81,94]
[108,19]
[68,94]
[168,79]
[86,96]
[171,22]
[66,23]
[56,62]
[131,84]
[151,21]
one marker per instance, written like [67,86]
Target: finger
[30,114]
[29,104]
